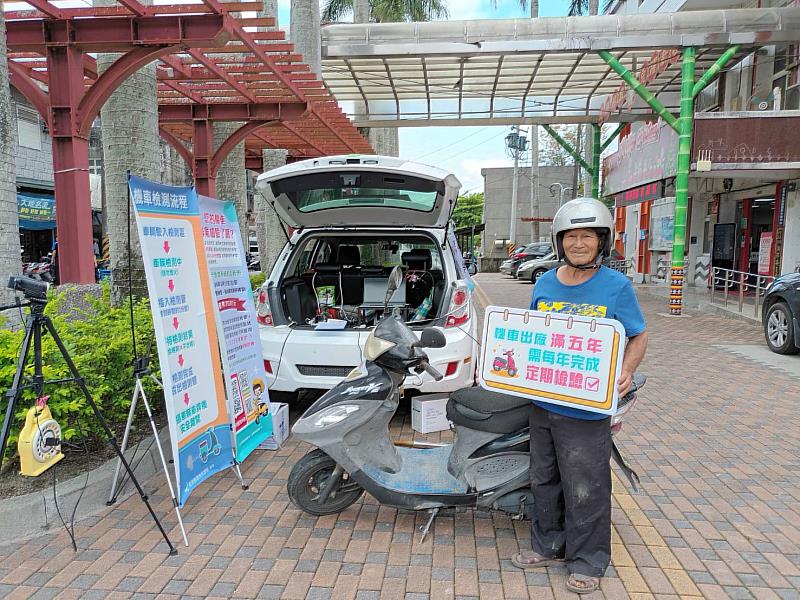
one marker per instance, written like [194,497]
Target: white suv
[355,218]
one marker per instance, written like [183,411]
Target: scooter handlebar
[426,366]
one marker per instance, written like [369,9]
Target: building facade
[532,222]
[744,208]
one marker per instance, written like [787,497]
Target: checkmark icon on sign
[592,384]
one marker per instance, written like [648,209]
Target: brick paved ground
[714,438]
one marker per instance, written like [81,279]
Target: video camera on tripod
[32,289]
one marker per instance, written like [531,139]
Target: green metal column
[685,125]
[596,150]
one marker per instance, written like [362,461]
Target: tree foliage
[469,210]
[551,154]
[387,11]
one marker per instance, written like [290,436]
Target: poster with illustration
[182,303]
[568,359]
[235,314]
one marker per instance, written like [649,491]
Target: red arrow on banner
[171,285]
[166,246]
[180,359]
[186,398]
[175,322]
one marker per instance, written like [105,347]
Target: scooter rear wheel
[308,479]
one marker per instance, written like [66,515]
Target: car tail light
[267,366]
[517,256]
[451,368]
[616,428]
[458,311]
[263,310]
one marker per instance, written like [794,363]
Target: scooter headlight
[333,415]
[376,346]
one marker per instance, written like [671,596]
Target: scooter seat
[477,408]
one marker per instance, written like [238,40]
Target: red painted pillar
[70,166]
[203,146]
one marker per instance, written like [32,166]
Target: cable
[474,133]
[130,267]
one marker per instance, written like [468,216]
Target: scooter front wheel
[309,479]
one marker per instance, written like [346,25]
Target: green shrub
[99,343]
[257,280]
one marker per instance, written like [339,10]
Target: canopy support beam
[639,89]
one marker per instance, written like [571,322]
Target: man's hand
[624,383]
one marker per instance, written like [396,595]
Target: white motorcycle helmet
[583,213]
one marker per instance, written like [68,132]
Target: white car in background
[354,218]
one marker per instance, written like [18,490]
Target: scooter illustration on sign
[209,446]
[507,364]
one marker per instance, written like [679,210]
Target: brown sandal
[528,559]
[582,584]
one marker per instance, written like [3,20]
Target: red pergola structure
[211,68]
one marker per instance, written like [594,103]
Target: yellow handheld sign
[39,442]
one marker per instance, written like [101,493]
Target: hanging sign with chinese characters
[181,299]
[234,310]
[572,360]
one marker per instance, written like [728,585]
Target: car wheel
[536,274]
[308,479]
[779,329]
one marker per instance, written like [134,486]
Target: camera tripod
[36,324]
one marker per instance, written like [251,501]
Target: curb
[34,514]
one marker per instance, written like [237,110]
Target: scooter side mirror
[395,279]
[432,337]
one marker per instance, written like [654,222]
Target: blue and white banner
[234,310]
[182,302]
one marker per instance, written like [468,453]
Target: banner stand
[238,471]
[142,369]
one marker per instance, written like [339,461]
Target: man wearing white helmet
[571,448]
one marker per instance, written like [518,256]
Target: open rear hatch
[373,191]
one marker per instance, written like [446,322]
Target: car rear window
[320,191]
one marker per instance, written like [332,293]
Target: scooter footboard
[467,442]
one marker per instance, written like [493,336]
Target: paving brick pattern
[714,438]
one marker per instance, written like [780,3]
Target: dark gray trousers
[571,484]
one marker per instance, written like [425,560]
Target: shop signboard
[572,357]
[648,154]
[764,253]
[662,224]
[36,211]
[234,312]
[182,303]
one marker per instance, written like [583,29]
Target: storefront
[37,224]
[640,179]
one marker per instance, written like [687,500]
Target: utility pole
[516,145]
[534,183]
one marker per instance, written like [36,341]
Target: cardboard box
[280,426]
[429,413]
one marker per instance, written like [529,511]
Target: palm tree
[10,263]
[385,11]
[579,8]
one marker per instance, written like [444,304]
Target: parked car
[533,269]
[781,314]
[527,252]
[354,219]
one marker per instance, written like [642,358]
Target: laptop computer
[375,292]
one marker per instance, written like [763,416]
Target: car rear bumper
[320,360]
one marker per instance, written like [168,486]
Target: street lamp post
[563,189]
[516,144]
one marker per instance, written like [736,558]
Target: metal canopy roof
[528,70]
